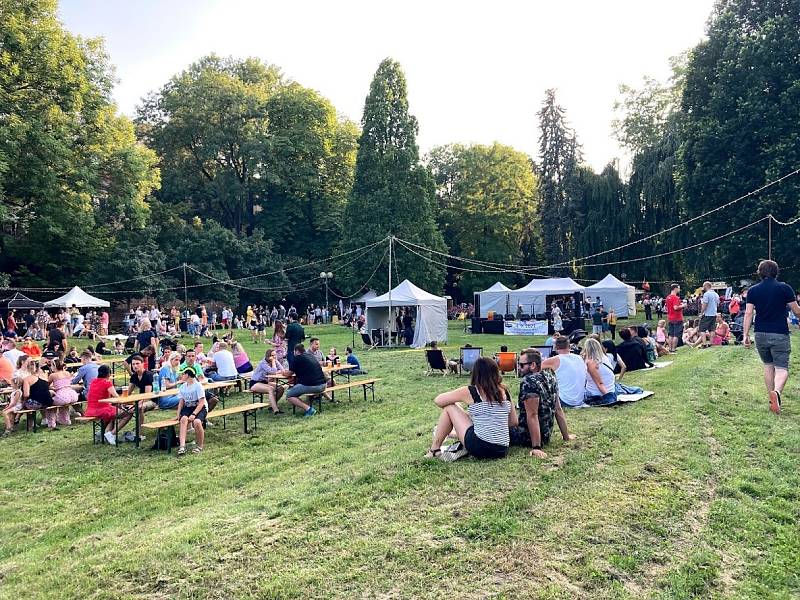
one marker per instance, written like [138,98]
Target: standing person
[769,300]
[612,323]
[708,311]
[675,308]
[278,342]
[484,428]
[597,321]
[56,340]
[734,307]
[538,405]
[294,335]
[558,323]
[648,308]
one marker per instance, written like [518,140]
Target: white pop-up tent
[77,297]
[615,294]
[431,312]
[533,297]
[368,295]
[495,298]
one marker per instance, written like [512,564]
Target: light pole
[326,277]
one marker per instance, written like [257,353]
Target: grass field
[694,493]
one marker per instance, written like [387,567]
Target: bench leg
[245,422]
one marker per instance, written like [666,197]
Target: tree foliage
[393,194]
[487,210]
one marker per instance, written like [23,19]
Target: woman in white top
[483,427]
[600,388]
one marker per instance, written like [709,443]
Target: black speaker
[578,304]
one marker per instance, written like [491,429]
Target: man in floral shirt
[538,405]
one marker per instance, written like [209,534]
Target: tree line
[236,170]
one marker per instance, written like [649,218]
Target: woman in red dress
[102,388]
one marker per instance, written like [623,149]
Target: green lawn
[694,493]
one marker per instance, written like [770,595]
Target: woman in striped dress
[483,428]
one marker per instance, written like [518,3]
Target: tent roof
[19,300]
[368,295]
[79,298]
[609,282]
[558,285]
[497,287]
[405,294]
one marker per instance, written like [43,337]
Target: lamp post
[326,277]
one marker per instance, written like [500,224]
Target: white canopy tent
[368,295]
[533,297]
[431,312]
[615,294]
[77,297]
[495,298]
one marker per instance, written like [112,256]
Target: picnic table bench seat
[364,383]
[30,413]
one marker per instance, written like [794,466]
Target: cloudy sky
[476,71]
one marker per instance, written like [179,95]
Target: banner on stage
[525,328]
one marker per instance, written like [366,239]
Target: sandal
[181,450]
[197,450]
[433,453]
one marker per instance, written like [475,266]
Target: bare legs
[452,417]
[272,391]
[199,432]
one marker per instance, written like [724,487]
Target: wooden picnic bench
[243,409]
[364,383]
[30,414]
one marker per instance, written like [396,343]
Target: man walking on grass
[708,312]
[770,299]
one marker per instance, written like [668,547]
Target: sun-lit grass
[694,493]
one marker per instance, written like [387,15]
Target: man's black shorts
[708,324]
[675,329]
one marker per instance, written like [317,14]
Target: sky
[476,71]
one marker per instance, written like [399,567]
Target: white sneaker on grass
[111,438]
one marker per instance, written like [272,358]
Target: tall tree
[741,109]
[487,198]
[558,170]
[72,174]
[393,193]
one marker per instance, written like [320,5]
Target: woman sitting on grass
[191,411]
[483,427]
[600,388]
[240,359]
[721,332]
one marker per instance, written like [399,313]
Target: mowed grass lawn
[694,493]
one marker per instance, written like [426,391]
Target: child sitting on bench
[191,410]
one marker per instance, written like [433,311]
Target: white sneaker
[111,438]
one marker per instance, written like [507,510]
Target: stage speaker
[578,304]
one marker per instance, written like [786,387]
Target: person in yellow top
[251,317]
[612,323]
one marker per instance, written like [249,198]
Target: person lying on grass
[191,411]
[483,427]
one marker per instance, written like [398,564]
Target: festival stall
[431,313]
[77,297]
[533,298]
[494,299]
[19,301]
[615,294]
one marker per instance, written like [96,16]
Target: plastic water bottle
[156,382]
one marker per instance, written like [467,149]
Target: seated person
[309,379]
[313,350]
[333,357]
[352,359]
[600,381]
[616,361]
[240,359]
[119,347]
[100,389]
[632,352]
[550,341]
[538,405]
[31,348]
[169,380]
[141,381]
[86,373]
[502,349]
[72,356]
[483,428]
[191,411]
[101,349]
[224,363]
[649,343]
[722,331]
[570,370]
[452,364]
[148,356]
[260,383]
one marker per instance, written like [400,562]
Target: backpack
[166,439]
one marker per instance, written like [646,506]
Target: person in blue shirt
[352,359]
[771,300]
[87,373]
[169,380]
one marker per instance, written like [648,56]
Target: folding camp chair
[507,362]
[436,361]
[369,344]
[469,356]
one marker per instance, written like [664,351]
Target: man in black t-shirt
[309,379]
[632,352]
[141,382]
[770,300]
[148,356]
[294,335]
